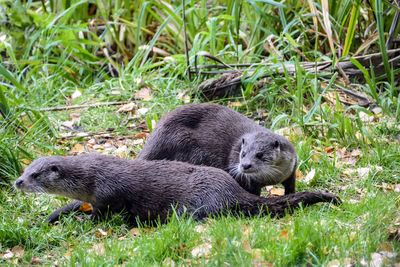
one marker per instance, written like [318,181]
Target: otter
[216,136]
[149,190]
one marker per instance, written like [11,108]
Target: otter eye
[275,144]
[243,154]
[259,155]
[242,140]
[34,175]
[54,168]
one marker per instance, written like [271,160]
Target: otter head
[50,175]
[266,158]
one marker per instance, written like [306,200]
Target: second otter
[216,136]
[148,190]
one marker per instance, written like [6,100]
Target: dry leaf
[36,260]
[18,251]
[168,262]
[284,233]
[99,248]
[299,175]
[329,149]
[201,250]
[86,207]
[235,104]
[277,192]
[101,233]
[246,245]
[78,148]
[127,108]
[8,254]
[309,177]
[67,124]
[135,231]
[142,111]
[76,94]
[200,228]
[141,135]
[144,94]
[377,260]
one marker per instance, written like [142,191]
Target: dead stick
[186,41]
[85,106]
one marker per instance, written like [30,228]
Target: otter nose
[246,166]
[18,182]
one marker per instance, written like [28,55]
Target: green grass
[47,56]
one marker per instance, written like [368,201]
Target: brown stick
[86,106]
[186,41]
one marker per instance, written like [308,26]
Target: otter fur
[216,136]
[148,190]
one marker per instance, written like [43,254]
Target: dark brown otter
[148,190]
[216,136]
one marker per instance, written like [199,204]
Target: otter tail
[67,209]
[279,206]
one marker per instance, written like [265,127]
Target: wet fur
[148,190]
[211,135]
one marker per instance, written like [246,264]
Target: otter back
[214,135]
[149,189]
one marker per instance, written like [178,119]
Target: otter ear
[54,168]
[276,144]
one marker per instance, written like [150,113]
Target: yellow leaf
[86,207]
[277,192]
[78,148]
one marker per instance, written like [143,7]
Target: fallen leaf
[78,148]
[142,111]
[127,108]
[76,94]
[329,149]
[86,207]
[284,233]
[99,248]
[168,262]
[8,254]
[299,175]
[201,250]
[143,94]
[200,228]
[36,260]
[135,231]
[277,192]
[246,245]
[235,104]
[377,260]
[309,177]
[101,233]
[18,251]
[141,135]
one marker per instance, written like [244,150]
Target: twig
[85,106]
[393,28]
[186,41]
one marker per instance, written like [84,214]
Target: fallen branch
[86,106]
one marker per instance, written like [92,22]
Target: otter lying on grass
[148,190]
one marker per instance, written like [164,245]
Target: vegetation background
[304,69]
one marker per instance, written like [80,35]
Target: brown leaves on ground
[130,107]
[144,94]
[86,207]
